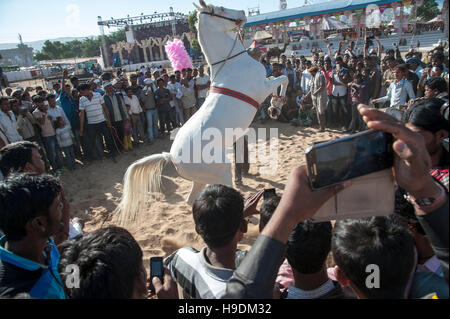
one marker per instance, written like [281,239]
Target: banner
[383,7]
[129,36]
[397,25]
[358,12]
[394,7]
[362,21]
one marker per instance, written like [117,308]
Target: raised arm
[411,168]
[255,276]
[380,49]
[64,78]
[398,55]
[339,48]
[365,48]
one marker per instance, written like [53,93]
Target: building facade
[20,56]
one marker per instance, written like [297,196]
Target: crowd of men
[112,113]
[328,89]
[41,248]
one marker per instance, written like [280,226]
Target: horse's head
[227,18]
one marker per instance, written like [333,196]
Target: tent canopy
[437,19]
[262,35]
[316,9]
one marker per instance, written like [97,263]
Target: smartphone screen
[269,193]
[156,270]
[349,157]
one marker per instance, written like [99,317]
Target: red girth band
[235,94]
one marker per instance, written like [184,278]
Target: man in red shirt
[327,72]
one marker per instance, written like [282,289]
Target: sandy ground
[94,192]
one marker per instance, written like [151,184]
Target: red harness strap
[235,94]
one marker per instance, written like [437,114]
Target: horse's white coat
[242,74]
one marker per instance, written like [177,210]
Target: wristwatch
[429,203]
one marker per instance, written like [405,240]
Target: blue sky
[45,19]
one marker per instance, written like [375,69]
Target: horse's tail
[142,179]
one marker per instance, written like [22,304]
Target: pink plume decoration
[177,55]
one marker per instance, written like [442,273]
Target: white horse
[239,85]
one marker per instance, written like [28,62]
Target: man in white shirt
[306,78]
[399,90]
[98,123]
[55,110]
[8,122]
[202,83]
[339,103]
[175,90]
[135,110]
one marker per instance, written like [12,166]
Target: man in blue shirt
[70,108]
[31,212]
[399,91]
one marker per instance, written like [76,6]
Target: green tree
[39,56]
[91,47]
[192,20]
[428,11]
[115,37]
[196,46]
[77,49]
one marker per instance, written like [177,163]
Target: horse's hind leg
[216,173]
[195,192]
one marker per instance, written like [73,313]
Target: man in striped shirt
[219,217]
[98,123]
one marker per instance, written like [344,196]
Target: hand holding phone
[251,203]
[156,270]
[353,156]
[270,192]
